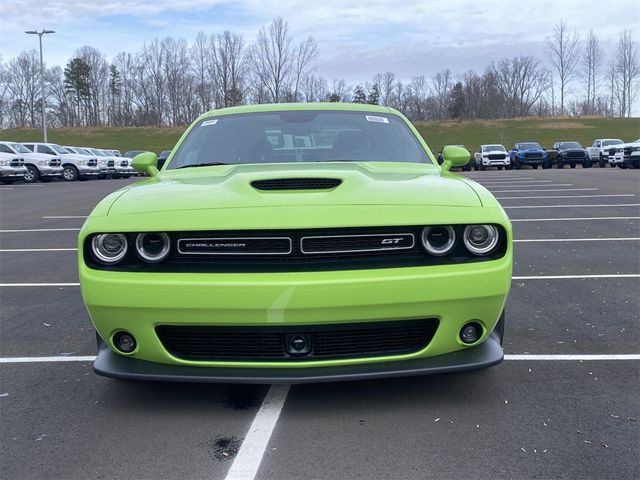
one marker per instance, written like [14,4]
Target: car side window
[45,149]
[597,144]
[29,146]
[5,148]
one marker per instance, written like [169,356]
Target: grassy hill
[546,131]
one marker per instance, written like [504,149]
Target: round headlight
[438,240]
[481,239]
[109,248]
[153,247]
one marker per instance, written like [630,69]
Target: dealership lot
[575,292]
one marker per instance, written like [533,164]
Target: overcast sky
[356,38]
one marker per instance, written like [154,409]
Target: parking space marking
[570,196]
[247,462]
[66,216]
[575,206]
[543,190]
[570,219]
[38,250]
[529,185]
[508,357]
[602,239]
[572,277]
[39,284]
[42,230]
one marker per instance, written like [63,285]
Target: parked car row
[612,151]
[33,161]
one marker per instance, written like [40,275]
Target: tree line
[170,82]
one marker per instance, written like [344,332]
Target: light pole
[44,112]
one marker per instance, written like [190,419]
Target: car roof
[310,106]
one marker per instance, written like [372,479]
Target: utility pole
[44,111]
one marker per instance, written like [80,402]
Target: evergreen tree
[374,95]
[457,104]
[359,95]
[76,82]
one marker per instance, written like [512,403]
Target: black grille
[235,246]
[576,154]
[533,155]
[357,243]
[627,151]
[497,156]
[16,162]
[110,163]
[124,163]
[296,184]
[92,163]
[269,343]
[55,163]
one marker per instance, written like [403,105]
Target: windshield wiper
[204,164]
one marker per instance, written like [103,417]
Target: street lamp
[44,113]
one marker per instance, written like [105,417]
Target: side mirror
[454,156]
[146,162]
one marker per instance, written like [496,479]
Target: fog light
[125,342]
[471,332]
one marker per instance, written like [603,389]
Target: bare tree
[201,65]
[521,82]
[304,54]
[271,60]
[592,58]
[229,69]
[627,71]
[442,83]
[564,54]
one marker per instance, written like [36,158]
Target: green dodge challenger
[297,243]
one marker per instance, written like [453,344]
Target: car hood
[229,186]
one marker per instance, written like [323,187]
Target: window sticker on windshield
[373,118]
[209,122]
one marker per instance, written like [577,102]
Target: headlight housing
[153,247]
[109,248]
[481,239]
[438,240]
[42,163]
[82,162]
[4,163]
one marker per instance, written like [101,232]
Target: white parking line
[570,196]
[529,185]
[615,205]
[246,464]
[42,230]
[547,190]
[615,239]
[569,219]
[572,277]
[39,250]
[66,216]
[527,356]
[518,180]
[39,284]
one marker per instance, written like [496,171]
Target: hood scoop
[278,184]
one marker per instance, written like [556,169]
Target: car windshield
[611,142]
[565,145]
[59,149]
[493,148]
[529,146]
[97,152]
[19,148]
[299,136]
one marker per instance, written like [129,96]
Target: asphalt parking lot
[565,403]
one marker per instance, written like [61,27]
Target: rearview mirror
[146,162]
[455,156]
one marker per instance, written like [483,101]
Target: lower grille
[576,155]
[124,163]
[358,340]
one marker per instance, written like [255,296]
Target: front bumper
[492,163]
[486,354]
[12,172]
[531,161]
[49,172]
[85,171]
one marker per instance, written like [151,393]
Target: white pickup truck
[11,168]
[627,155]
[39,166]
[601,149]
[492,156]
[74,166]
